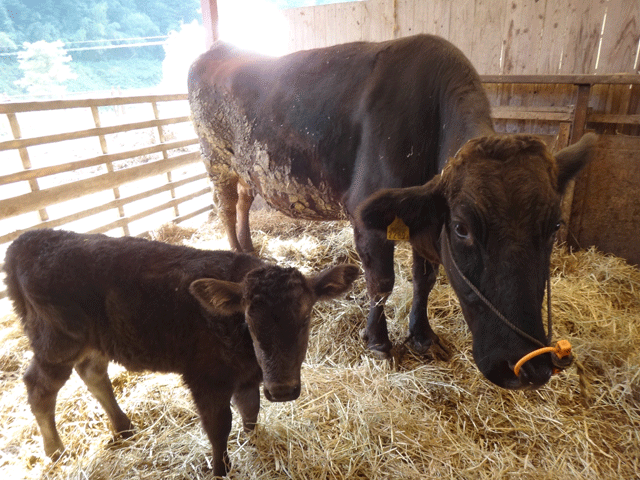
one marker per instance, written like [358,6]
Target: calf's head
[277,304]
[491,216]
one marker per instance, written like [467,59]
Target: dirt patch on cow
[357,417]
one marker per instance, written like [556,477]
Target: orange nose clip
[561,350]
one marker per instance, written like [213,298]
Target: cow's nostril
[533,377]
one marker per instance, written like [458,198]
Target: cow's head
[493,212]
[277,304]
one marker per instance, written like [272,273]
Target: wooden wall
[499,36]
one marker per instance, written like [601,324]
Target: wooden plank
[583,32]
[61,193]
[440,15]
[624,79]
[138,216]
[613,118]
[103,145]
[15,107]
[606,212]
[92,162]
[330,33]
[26,161]
[195,213]
[620,37]
[462,13]
[550,114]
[380,13]
[553,38]
[91,132]
[487,43]
[165,155]
[404,18]
[121,202]
[523,24]
[580,118]
[562,141]
[349,22]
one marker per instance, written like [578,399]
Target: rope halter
[562,357]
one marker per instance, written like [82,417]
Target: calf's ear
[334,281]
[572,159]
[217,296]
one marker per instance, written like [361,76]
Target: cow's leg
[214,407]
[43,381]
[247,401]
[421,335]
[226,186]
[245,199]
[93,371]
[376,254]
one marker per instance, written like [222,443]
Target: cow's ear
[573,158]
[217,296]
[334,281]
[420,208]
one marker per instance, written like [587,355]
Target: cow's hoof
[432,347]
[380,350]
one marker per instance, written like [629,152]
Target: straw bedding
[360,418]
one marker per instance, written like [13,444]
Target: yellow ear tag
[397,230]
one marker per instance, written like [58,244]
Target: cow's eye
[461,231]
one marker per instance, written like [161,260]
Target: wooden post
[26,161]
[579,123]
[582,108]
[103,146]
[165,155]
[210,20]
[565,207]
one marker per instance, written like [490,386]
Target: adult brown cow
[317,132]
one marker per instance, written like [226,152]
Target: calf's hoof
[380,350]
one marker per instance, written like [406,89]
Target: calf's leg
[93,371]
[43,381]
[214,407]
[247,401]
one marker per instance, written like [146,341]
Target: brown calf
[225,321]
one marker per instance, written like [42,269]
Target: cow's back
[318,130]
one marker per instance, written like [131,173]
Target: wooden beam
[92,132]
[104,207]
[35,200]
[623,79]
[92,162]
[11,107]
[210,20]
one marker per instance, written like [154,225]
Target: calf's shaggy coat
[225,321]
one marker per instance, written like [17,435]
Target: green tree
[45,67]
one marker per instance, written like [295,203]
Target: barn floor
[360,418]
